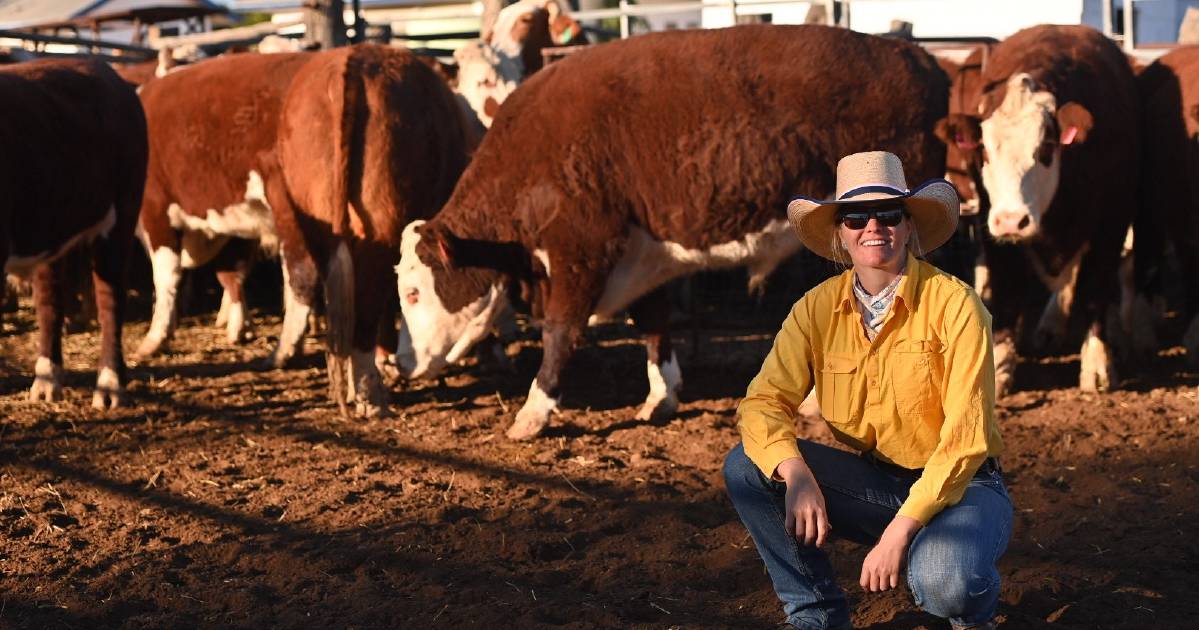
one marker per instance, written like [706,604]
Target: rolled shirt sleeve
[766,416]
[968,403]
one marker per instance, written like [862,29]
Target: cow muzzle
[1011,225]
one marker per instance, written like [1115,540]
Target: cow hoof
[388,368]
[47,381]
[658,410]
[1097,369]
[149,347]
[109,394]
[105,400]
[45,390]
[528,426]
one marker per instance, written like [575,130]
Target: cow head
[1024,138]
[522,30]
[484,79]
[447,309]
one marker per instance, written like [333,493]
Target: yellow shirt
[921,395]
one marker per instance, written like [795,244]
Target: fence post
[624,19]
[1130,43]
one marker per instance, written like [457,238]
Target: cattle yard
[229,496]
[305,462]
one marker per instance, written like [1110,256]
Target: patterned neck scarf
[874,307]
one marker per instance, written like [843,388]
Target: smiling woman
[900,355]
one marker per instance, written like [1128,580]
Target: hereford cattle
[74,169]
[651,174]
[1169,206]
[213,127]
[369,139]
[491,67]
[1057,119]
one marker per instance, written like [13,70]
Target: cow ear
[962,130]
[442,241]
[1075,123]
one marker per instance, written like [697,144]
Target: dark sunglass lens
[889,218]
[855,220]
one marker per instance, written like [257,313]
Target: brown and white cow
[678,153]
[213,127]
[74,165]
[369,139]
[491,67]
[1057,120]
[303,152]
[1168,217]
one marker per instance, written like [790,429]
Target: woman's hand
[807,518]
[880,569]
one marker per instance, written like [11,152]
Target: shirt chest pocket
[837,387]
[916,373]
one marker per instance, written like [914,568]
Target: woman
[900,355]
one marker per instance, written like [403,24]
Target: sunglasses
[859,219]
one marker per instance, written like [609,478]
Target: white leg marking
[47,381]
[982,278]
[222,316]
[1005,366]
[366,388]
[167,272]
[534,416]
[295,323]
[236,325]
[664,384]
[109,393]
[1098,372]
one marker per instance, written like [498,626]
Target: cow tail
[339,299]
[349,110]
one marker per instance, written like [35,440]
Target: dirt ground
[226,495]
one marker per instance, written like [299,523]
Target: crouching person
[900,355]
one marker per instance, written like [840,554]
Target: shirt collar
[905,292]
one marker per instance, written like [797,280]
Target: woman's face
[875,245]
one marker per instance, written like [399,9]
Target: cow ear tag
[1068,135]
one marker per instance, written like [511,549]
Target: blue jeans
[951,561]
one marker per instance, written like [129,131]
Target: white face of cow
[485,79]
[432,337]
[1023,162]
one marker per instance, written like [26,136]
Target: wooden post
[1130,39]
[324,25]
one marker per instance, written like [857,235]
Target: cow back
[371,139]
[698,137]
[74,140]
[211,124]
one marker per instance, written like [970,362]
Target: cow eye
[1045,152]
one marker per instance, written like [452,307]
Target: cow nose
[1011,223]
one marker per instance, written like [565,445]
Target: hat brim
[933,207]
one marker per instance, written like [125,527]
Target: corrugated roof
[32,13]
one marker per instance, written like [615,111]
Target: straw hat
[873,176]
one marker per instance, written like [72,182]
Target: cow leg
[1098,371]
[232,266]
[352,307]
[47,297]
[387,338]
[374,324]
[168,271]
[109,260]
[298,297]
[558,339]
[651,314]
[1190,341]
